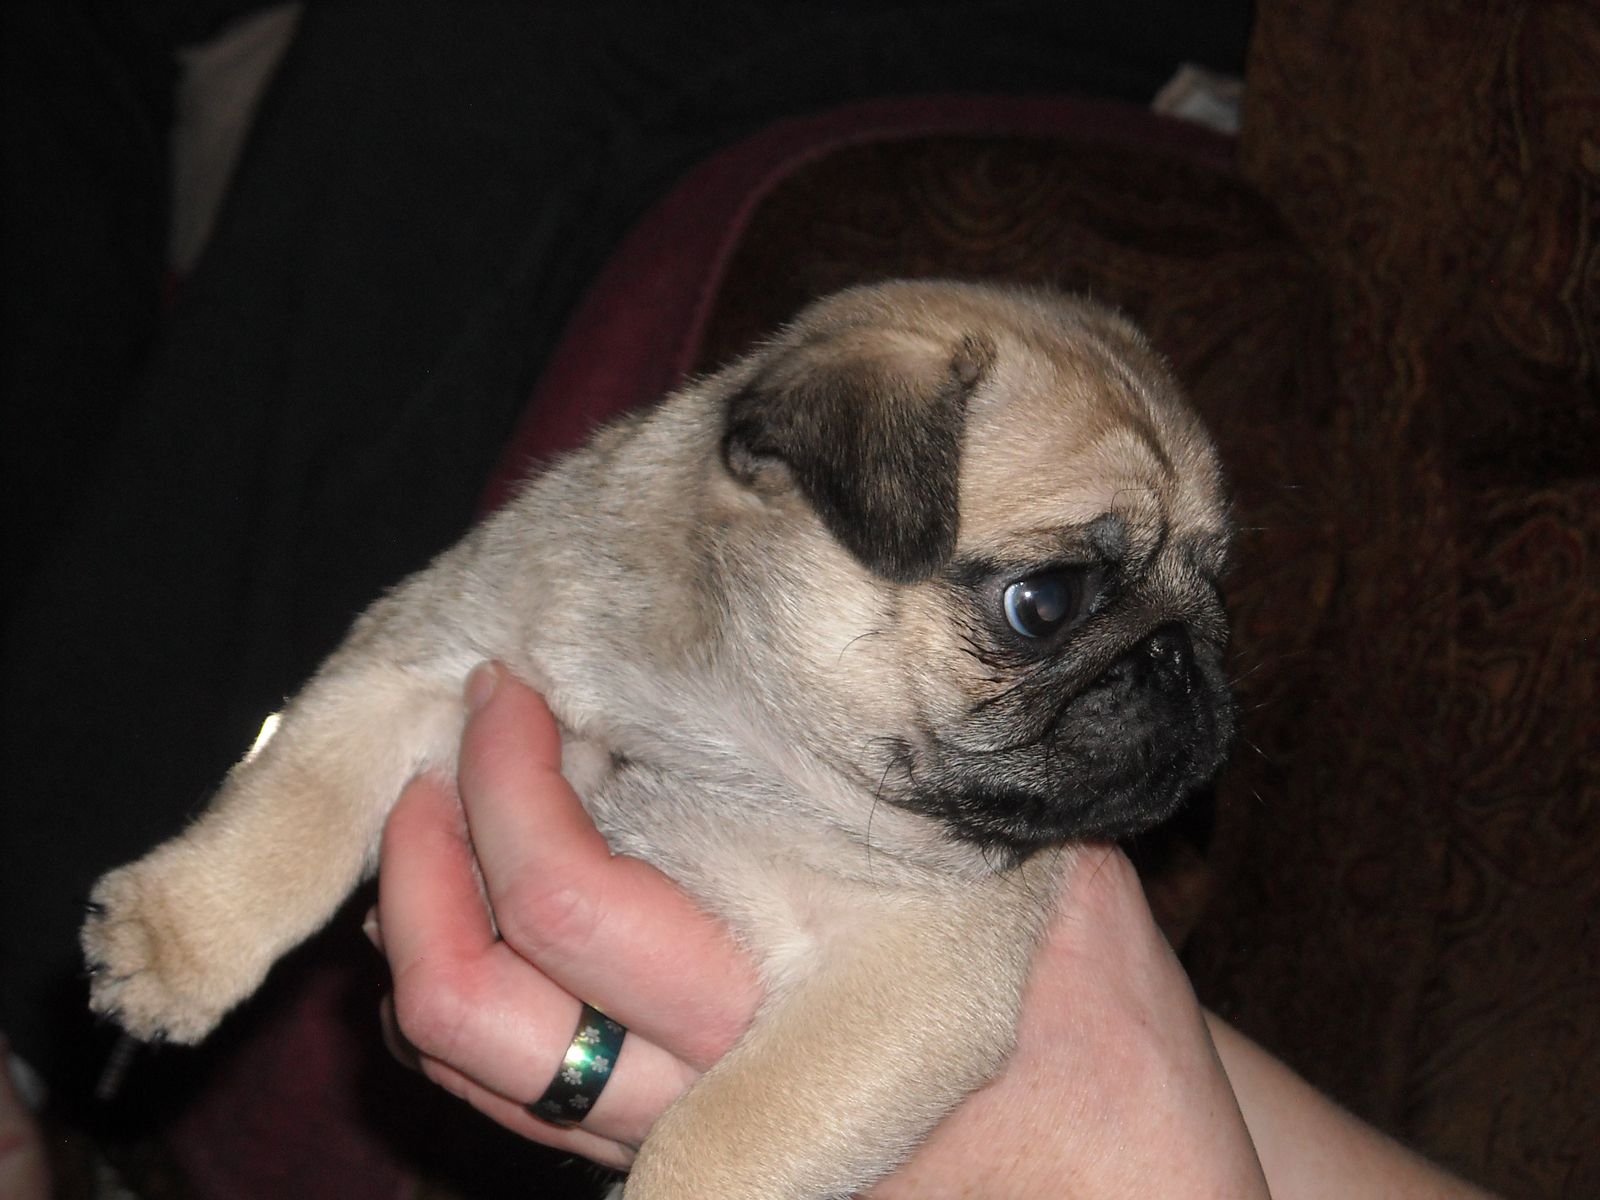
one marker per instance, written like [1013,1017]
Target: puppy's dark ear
[867,423]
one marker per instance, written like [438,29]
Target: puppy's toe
[144,972]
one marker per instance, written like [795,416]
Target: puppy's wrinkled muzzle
[1122,755]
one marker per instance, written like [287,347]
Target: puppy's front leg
[177,938]
[844,1074]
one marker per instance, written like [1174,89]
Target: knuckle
[537,916]
[432,1008]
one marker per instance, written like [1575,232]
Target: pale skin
[1120,1085]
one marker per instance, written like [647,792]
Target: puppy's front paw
[154,965]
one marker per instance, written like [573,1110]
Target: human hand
[1114,1088]
[489,1017]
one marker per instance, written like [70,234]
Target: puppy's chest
[794,894]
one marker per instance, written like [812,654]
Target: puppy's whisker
[1260,705]
[1000,697]
[999,859]
[1265,757]
[872,809]
[1238,679]
[1117,495]
[1104,857]
[871,633]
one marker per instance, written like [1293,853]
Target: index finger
[610,929]
[487,1024]
[427,890]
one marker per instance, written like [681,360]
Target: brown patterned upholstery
[1391,318]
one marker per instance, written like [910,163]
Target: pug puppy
[850,638]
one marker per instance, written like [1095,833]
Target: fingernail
[482,685]
[404,1052]
[373,931]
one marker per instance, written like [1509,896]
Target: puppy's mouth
[1123,755]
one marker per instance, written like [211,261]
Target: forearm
[1309,1147]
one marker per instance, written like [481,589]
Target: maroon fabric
[285,1115]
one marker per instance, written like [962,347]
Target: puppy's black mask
[1102,735]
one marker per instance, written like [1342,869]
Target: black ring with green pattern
[584,1071]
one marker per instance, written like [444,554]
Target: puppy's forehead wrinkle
[1110,538]
[1108,534]
[1025,484]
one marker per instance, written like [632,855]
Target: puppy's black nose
[1164,660]
[1171,656]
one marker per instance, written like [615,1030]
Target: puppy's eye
[1042,604]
